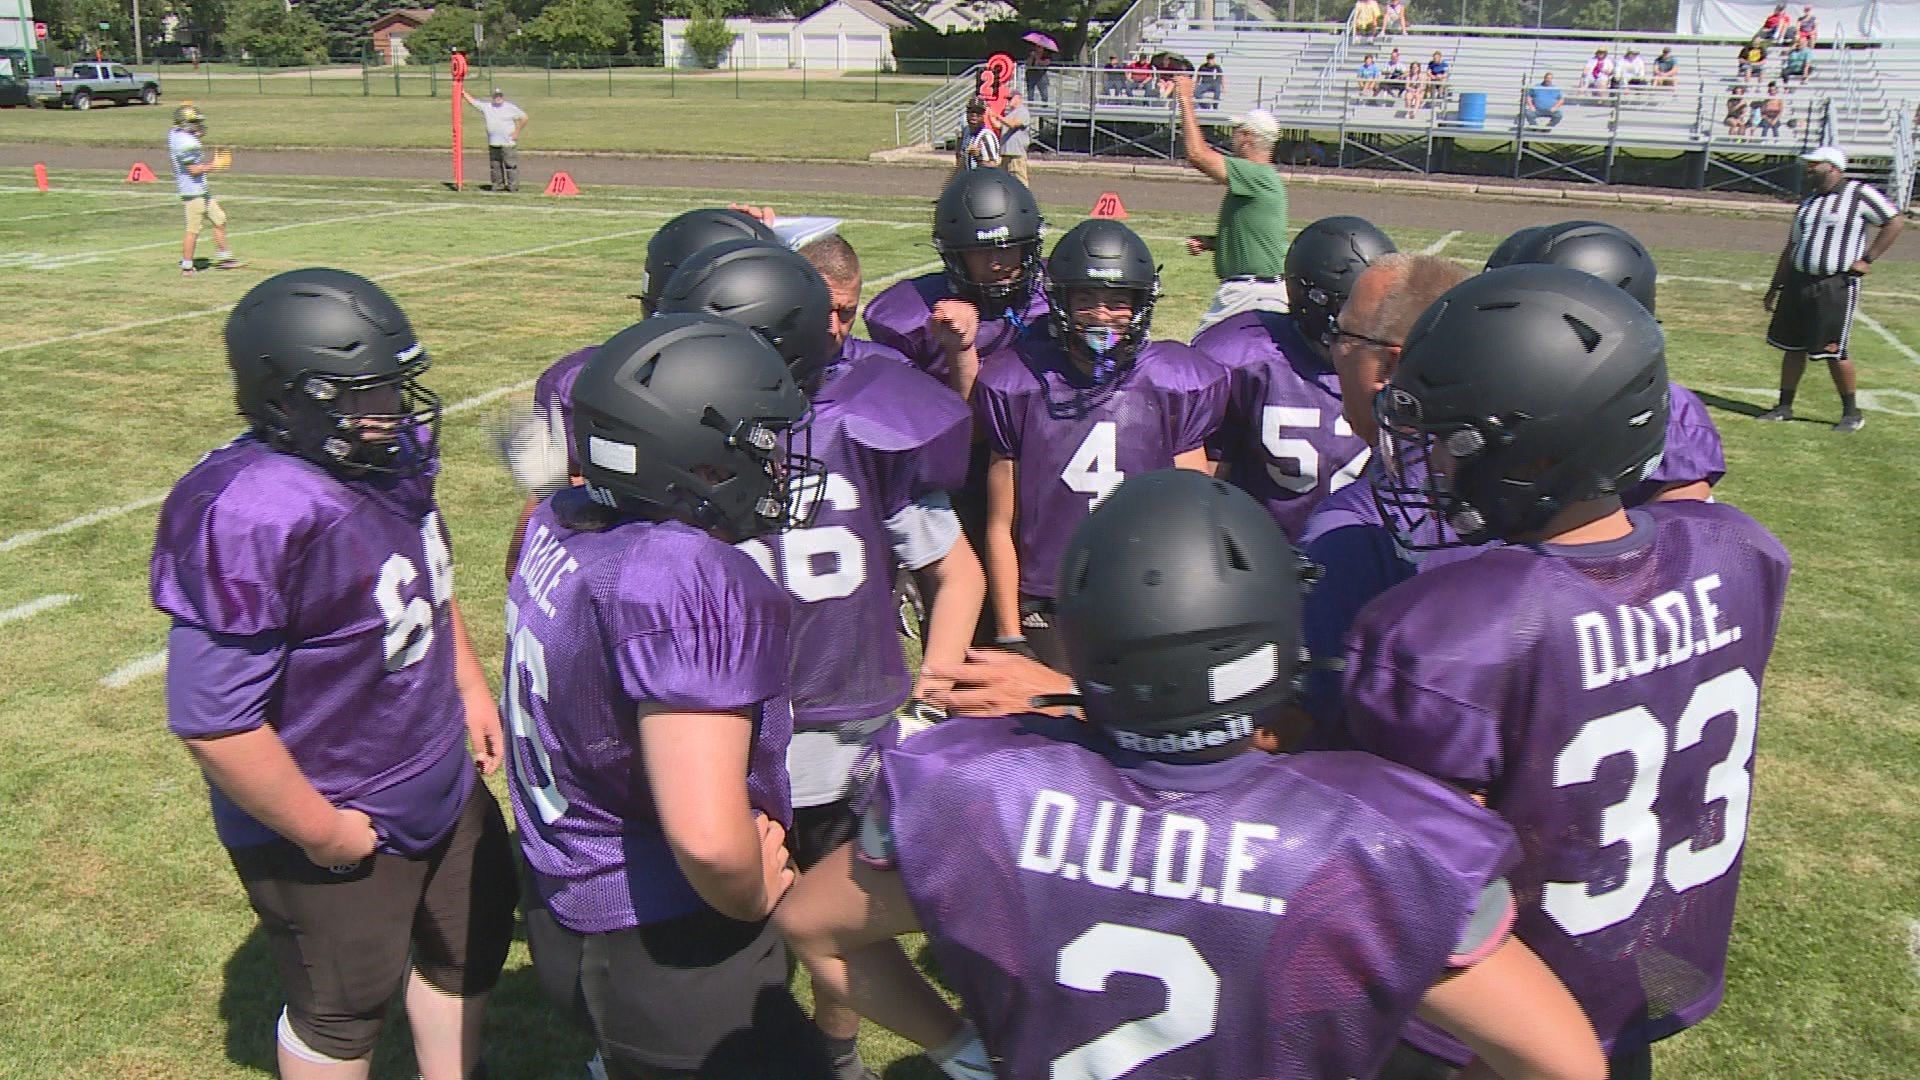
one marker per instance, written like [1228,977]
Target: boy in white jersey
[191,164]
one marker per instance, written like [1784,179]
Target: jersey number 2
[1193,998]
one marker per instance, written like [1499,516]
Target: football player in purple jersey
[541,451]
[1285,441]
[1076,409]
[1139,895]
[320,673]
[893,442]
[987,229]
[646,698]
[1596,675]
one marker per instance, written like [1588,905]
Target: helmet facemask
[1110,352]
[387,424]
[994,298]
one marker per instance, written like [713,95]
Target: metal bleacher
[1861,95]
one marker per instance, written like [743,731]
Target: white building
[846,34]
[16,32]
[954,15]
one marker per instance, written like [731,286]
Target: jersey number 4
[1636,733]
[409,620]
[1094,469]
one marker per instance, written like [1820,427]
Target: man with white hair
[1250,246]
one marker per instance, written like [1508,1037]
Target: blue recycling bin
[1473,110]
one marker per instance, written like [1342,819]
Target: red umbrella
[1041,40]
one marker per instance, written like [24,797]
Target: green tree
[269,31]
[348,23]
[709,39]
[451,27]
[77,24]
[583,27]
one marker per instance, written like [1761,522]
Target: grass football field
[129,950]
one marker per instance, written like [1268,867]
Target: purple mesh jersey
[352,581]
[553,397]
[1605,698]
[1102,914]
[889,436]
[1284,440]
[1693,450]
[1068,456]
[897,318]
[600,626]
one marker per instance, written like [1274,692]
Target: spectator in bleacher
[1366,18]
[1395,83]
[1416,92]
[1140,76]
[1437,69]
[1798,63]
[1039,66]
[1632,70]
[1772,111]
[1736,119]
[1779,27]
[1807,31]
[1394,15]
[1753,59]
[1666,68]
[1250,245]
[1598,77]
[1543,102]
[1368,75]
[1116,77]
[1212,81]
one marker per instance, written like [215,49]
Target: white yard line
[92,517]
[1899,346]
[135,670]
[34,607]
[78,258]
[1440,245]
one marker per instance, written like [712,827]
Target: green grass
[129,948]
[846,118]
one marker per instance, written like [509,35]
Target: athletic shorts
[818,830]
[701,995]
[1815,315]
[202,212]
[343,942]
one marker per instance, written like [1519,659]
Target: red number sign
[996,81]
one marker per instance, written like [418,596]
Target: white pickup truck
[84,84]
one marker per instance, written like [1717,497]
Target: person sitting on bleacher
[1416,93]
[1140,76]
[1543,102]
[1807,31]
[1395,83]
[1798,63]
[1211,82]
[1366,18]
[1772,111]
[1114,81]
[1598,78]
[1666,68]
[1367,77]
[1753,59]
[1395,15]
[1779,27]
[1437,69]
[1736,118]
[1632,70]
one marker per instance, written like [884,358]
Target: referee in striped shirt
[1816,283]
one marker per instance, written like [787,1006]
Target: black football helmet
[768,288]
[1179,609]
[683,237]
[694,418]
[1539,387]
[1322,264]
[326,366]
[1103,253]
[1608,252]
[1504,254]
[988,208]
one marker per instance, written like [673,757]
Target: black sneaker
[1850,423]
[1778,412]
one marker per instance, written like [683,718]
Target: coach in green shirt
[1250,248]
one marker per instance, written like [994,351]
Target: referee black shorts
[1814,315]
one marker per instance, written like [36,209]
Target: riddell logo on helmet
[998,233]
[1104,273]
[1230,729]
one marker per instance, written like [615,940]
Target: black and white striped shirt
[1830,228]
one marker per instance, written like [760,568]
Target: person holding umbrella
[1039,61]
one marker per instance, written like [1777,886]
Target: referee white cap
[1832,155]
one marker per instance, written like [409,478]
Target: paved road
[1671,228]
